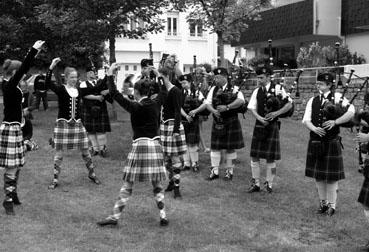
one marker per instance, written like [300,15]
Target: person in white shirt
[222,101]
[324,156]
[265,142]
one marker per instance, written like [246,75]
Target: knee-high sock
[176,170]
[93,139]
[101,140]
[124,194]
[322,191]
[187,158]
[86,156]
[271,172]
[10,182]
[16,178]
[366,213]
[255,170]
[159,198]
[194,154]
[332,193]
[230,156]
[58,160]
[215,161]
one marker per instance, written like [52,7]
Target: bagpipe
[275,101]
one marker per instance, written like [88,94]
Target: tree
[227,18]
[103,20]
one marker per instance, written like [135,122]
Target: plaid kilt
[265,142]
[364,193]
[324,160]
[70,135]
[12,148]
[192,131]
[96,122]
[227,135]
[172,146]
[145,162]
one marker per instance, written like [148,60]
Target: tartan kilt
[265,141]
[12,149]
[145,162]
[364,193]
[229,137]
[327,163]
[192,131]
[70,135]
[96,122]
[172,146]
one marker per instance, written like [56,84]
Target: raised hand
[38,44]
[54,62]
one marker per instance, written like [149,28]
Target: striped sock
[124,195]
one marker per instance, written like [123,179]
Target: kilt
[12,148]
[364,193]
[145,162]
[171,145]
[265,141]
[227,135]
[192,131]
[324,162]
[95,122]
[70,135]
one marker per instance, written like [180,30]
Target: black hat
[325,77]
[263,70]
[187,77]
[90,68]
[147,62]
[220,71]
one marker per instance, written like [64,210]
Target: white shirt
[209,98]
[337,97]
[279,90]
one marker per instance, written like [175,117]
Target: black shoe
[53,185]
[170,187]
[104,152]
[267,187]
[107,222]
[51,142]
[9,207]
[322,209]
[94,152]
[164,222]
[195,168]
[253,188]
[94,179]
[331,211]
[228,176]
[16,199]
[186,168]
[177,193]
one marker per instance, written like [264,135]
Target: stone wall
[307,89]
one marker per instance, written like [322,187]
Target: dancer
[69,132]
[145,161]
[11,139]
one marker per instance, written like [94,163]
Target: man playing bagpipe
[324,156]
[224,101]
[192,105]
[266,104]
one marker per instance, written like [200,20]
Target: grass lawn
[212,216]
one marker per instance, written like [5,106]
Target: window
[172,26]
[135,68]
[196,29]
[127,67]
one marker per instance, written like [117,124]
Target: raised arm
[49,84]
[26,63]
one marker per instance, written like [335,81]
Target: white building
[179,37]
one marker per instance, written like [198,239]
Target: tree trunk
[112,60]
[221,62]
